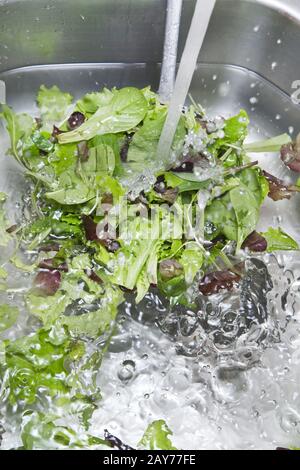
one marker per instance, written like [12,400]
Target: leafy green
[103,175]
[246,211]
[53,104]
[4,225]
[48,309]
[3,273]
[220,217]
[99,302]
[34,363]
[145,141]
[235,214]
[235,131]
[40,431]
[192,261]
[279,240]
[126,109]
[8,316]
[91,102]
[127,264]
[72,190]
[63,158]
[156,437]
[236,127]
[42,141]
[19,127]
[270,145]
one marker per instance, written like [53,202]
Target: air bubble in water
[126,371]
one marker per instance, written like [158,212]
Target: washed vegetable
[105,219]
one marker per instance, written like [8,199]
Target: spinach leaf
[125,111]
[221,216]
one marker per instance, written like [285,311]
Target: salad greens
[156,437]
[106,217]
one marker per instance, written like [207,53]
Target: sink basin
[250,59]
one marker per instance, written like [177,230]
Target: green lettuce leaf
[279,240]
[19,127]
[36,362]
[192,261]
[8,316]
[40,431]
[91,102]
[156,437]
[269,145]
[99,302]
[3,273]
[144,144]
[4,225]
[53,104]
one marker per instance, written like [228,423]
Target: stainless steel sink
[250,59]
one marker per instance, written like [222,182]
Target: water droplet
[126,371]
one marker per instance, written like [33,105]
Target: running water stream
[168,70]
[196,35]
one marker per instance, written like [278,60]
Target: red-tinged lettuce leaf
[47,282]
[213,283]
[278,189]
[290,155]
[255,242]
